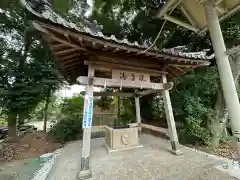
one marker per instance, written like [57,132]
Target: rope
[158,35]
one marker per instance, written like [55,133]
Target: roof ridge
[47,13]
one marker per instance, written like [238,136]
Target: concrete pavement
[153,161]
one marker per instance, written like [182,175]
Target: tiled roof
[47,13]
[194,55]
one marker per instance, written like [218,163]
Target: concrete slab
[151,162]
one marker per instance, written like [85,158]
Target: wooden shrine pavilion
[88,57]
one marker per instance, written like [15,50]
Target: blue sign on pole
[87,112]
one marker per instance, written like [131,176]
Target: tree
[59,5]
[46,109]
[27,68]
[72,108]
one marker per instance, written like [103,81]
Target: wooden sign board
[130,76]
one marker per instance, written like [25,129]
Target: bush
[197,119]
[72,107]
[67,130]
[3,121]
[127,112]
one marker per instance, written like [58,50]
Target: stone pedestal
[121,138]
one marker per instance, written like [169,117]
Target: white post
[85,172]
[170,120]
[225,73]
[138,113]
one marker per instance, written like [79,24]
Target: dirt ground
[225,149]
[27,146]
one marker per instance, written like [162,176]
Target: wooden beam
[70,61]
[80,40]
[138,113]
[66,52]
[172,72]
[146,92]
[62,59]
[122,94]
[70,44]
[71,70]
[126,60]
[58,46]
[155,128]
[53,37]
[73,64]
[116,66]
[105,94]
[116,83]
[183,65]
[60,66]
[170,119]
[68,38]
[167,86]
[178,68]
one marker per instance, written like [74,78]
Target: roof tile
[53,17]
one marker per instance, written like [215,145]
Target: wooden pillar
[138,113]
[85,172]
[170,120]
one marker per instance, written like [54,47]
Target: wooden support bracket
[128,84]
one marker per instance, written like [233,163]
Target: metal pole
[170,120]
[85,172]
[225,73]
[138,113]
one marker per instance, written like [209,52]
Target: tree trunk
[216,128]
[12,122]
[46,111]
[21,117]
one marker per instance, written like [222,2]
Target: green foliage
[3,121]
[70,125]
[147,107]
[54,111]
[127,113]
[66,130]
[27,70]
[105,102]
[62,6]
[193,99]
[72,108]
[158,108]
[59,5]
[197,119]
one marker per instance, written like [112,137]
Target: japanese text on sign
[87,112]
[130,76]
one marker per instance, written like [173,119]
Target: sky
[73,90]
[90,3]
